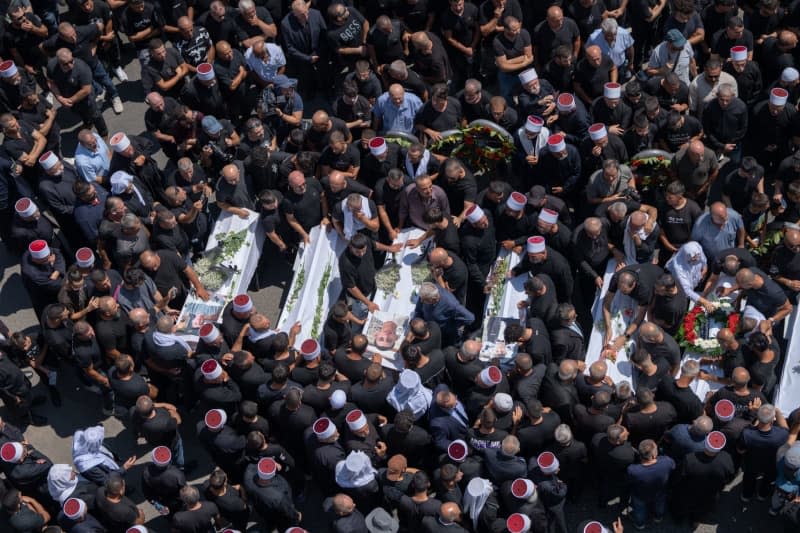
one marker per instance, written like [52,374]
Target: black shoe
[38,420]
[55,396]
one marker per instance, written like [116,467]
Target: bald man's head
[139,317]
[437,257]
[259,322]
[567,370]
[740,377]
[449,512]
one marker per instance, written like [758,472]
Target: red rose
[469,141]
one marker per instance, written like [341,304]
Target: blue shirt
[647,480]
[447,312]
[394,118]
[92,164]
[683,442]
[266,71]
[615,51]
[714,239]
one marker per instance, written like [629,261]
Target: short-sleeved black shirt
[156,71]
[646,275]
[511,49]
[592,79]
[546,40]
[116,516]
[349,158]
[132,22]
[462,26]
[306,208]
[70,82]
[82,48]
[445,120]
[225,71]
[113,334]
[358,271]
[169,273]
[390,198]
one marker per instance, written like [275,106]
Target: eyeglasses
[67,63]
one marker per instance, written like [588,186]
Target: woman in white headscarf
[64,482]
[409,394]
[478,492]
[689,266]
[93,460]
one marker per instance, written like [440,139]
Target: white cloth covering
[351,224]
[417,399]
[88,450]
[687,273]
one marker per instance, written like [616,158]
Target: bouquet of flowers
[479,146]
[496,281]
[694,331]
[651,172]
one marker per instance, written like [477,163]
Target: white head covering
[409,393]
[527,76]
[355,470]
[687,273]
[478,491]
[61,483]
[88,450]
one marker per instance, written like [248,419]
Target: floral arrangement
[479,146]
[323,287]
[651,171]
[496,282]
[298,286]
[231,242]
[694,331]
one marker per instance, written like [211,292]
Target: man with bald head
[638,282]
[233,192]
[746,399]
[194,43]
[346,519]
[719,229]
[446,520]
[450,272]
[592,73]
[558,388]
[337,187]
[167,269]
[765,295]
[304,205]
[139,326]
[785,265]
[229,68]
[322,125]
[556,30]
[395,110]
[595,381]
[591,252]
[111,328]
[653,340]
[696,166]
[641,238]
[159,120]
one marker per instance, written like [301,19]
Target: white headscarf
[165,340]
[355,470]
[627,241]
[415,398]
[687,273]
[88,450]
[351,224]
[422,168]
[61,483]
[478,491]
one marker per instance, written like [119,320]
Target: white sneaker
[120,74]
[116,104]
[100,96]
[50,99]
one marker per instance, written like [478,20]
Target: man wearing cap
[43,271]
[25,468]
[612,111]
[70,81]
[161,481]
[221,441]
[204,94]
[702,476]
[770,127]
[777,54]
[379,160]
[478,248]
[270,494]
[13,81]
[75,516]
[674,54]
[133,154]
[29,225]
[545,260]
[746,74]
[530,141]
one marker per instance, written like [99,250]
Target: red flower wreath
[687,334]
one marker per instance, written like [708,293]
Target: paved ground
[82,409]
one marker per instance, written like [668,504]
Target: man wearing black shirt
[70,80]
[357,270]
[168,270]
[165,71]
[613,454]
[649,419]
[765,295]
[461,32]
[592,73]
[115,510]
[384,41]
[651,371]
[545,260]
[678,218]
[669,304]
[554,31]
[197,515]
[785,265]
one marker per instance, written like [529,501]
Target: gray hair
[766,414]
[184,163]
[563,434]
[244,5]
[610,163]
[473,84]
[428,291]
[702,425]
[690,368]
[619,209]
[725,89]
[398,68]
[129,221]
[609,25]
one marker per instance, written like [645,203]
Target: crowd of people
[658,135]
